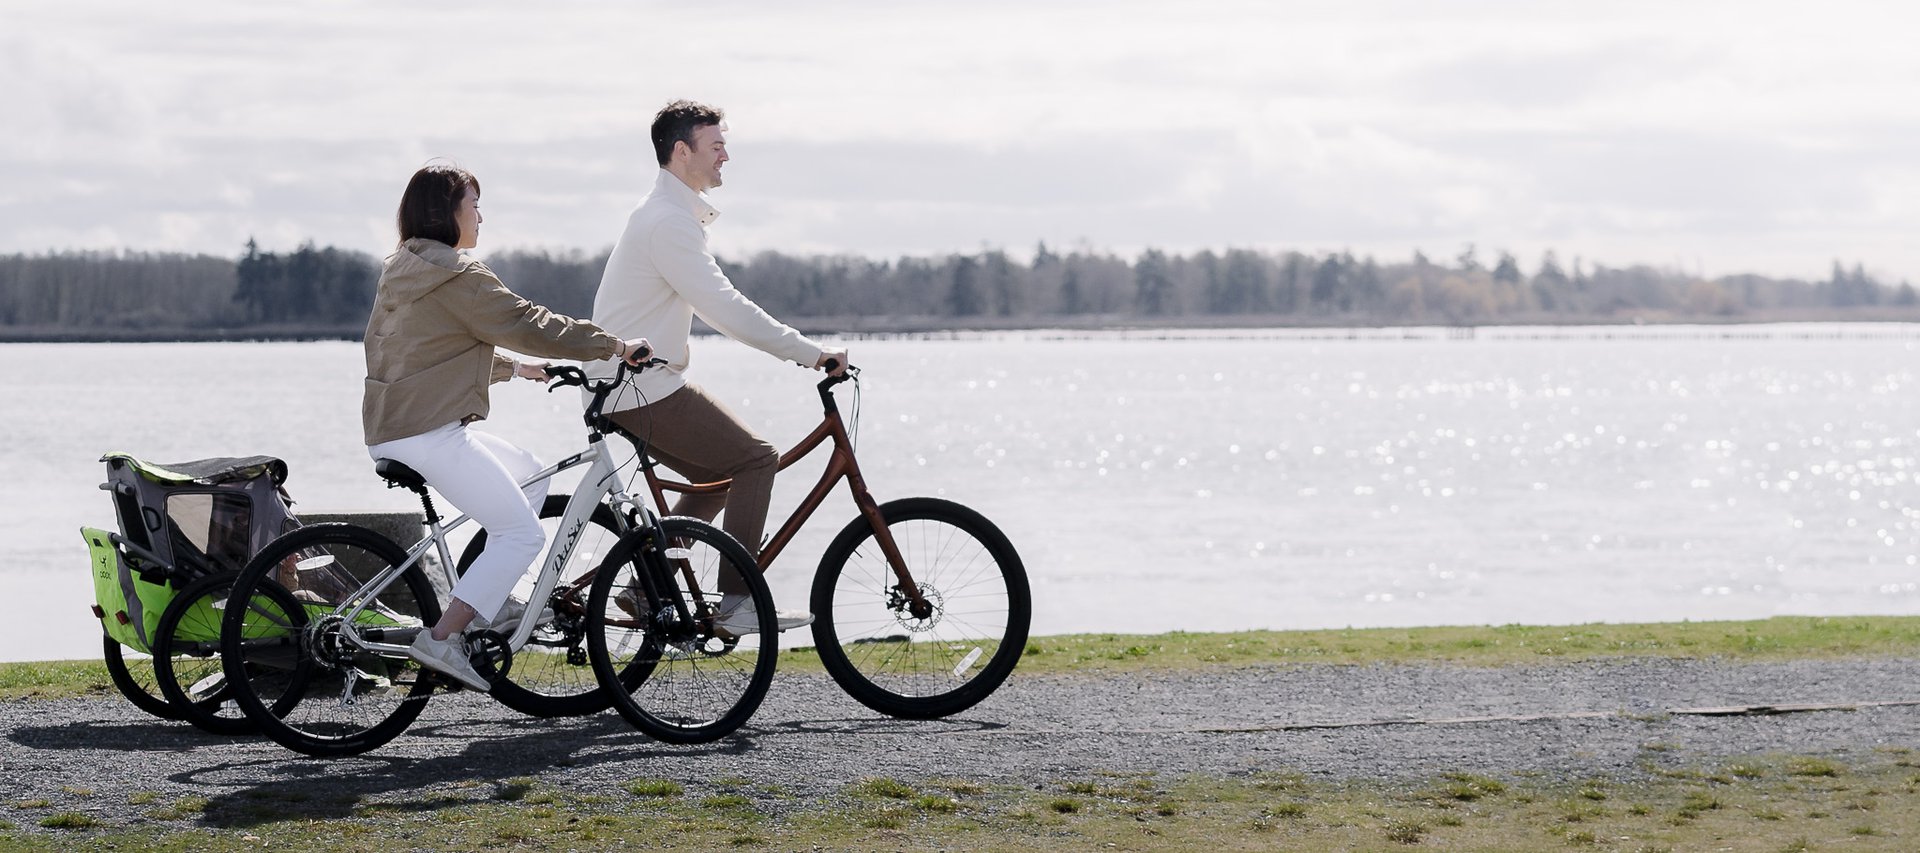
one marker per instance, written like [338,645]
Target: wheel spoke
[550,675]
[975,592]
[292,667]
[684,682]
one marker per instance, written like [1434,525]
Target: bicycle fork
[905,594]
[671,617]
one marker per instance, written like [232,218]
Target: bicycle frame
[841,465]
[602,479]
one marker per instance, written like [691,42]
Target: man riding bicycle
[659,276]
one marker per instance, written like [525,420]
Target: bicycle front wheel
[288,648]
[683,675]
[186,657]
[922,660]
[551,675]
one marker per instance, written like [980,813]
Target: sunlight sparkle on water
[1327,483]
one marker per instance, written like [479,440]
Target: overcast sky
[1712,137]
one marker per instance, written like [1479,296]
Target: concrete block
[403,527]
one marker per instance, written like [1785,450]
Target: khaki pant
[703,441]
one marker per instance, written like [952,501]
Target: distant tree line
[331,290]
[308,285]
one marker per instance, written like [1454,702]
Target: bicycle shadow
[283,786]
[484,769]
[143,736]
[883,726]
[493,760]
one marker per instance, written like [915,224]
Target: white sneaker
[447,657]
[739,617]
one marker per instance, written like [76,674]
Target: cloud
[1774,138]
[1522,79]
[64,102]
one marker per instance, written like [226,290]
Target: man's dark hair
[428,205]
[677,121]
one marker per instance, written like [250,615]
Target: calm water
[1198,481]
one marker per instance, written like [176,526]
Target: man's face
[705,156]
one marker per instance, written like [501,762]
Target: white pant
[479,473]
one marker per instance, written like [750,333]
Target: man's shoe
[739,617]
[449,658]
[512,612]
[629,602]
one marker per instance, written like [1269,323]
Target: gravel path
[1572,721]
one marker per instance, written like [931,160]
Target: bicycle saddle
[397,474]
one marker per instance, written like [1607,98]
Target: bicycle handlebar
[564,375]
[826,385]
[567,376]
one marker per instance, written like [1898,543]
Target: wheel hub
[918,617]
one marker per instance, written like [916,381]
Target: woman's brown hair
[428,205]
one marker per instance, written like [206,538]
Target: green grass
[54,679]
[657,788]
[1868,803]
[182,809]
[1473,646]
[884,788]
[1778,638]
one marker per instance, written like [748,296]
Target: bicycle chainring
[490,654]
[326,645]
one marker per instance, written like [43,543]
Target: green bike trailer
[179,522]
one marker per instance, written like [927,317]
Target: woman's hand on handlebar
[534,370]
[635,352]
[833,361]
[564,375]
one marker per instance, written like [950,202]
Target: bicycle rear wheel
[186,657]
[290,664]
[551,675]
[135,678]
[685,679]
[955,652]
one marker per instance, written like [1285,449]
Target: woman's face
[467,215]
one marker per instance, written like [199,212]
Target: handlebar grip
[563,376]
[830,365]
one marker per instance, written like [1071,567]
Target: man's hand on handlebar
[833,361]
[635,352]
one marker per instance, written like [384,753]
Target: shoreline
[858,326]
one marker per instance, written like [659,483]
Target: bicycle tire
[684,682]
[288,592]
[186,657]
[552,675]
[916,668]
[136,681]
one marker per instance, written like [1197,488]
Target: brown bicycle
[921,605]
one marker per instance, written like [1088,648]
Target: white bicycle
[316,627]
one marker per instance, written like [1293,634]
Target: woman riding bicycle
[430,359]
